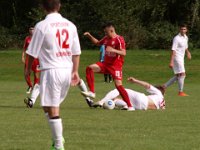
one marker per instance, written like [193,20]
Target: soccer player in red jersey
[35,65]
[113,62]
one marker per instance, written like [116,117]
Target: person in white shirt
[140,101]
[56,43]
[179,47]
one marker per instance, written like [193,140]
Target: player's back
[60,41]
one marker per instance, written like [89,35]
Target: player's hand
[131,79]
[87,34]
[75,79]
[171,65]
[23,60]
[189,56]
[109,49]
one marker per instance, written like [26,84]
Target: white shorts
[138,100]
[54,86]
[179,67]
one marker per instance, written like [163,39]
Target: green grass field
[176,128]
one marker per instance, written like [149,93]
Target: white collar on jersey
[52,15]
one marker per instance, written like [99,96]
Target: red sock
[90,78]
[28,81]
[124,95]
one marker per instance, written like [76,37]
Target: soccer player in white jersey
[56,43]
[140,101]
[179,47]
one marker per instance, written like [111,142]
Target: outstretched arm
[92,38]
[139,82]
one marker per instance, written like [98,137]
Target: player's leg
[171,81]
[55,123]
[105,78]
[110,95]
[90,70]
[36,89]
[54,84]
[123,93]
[121,104]
[83,88]
[34,95]
[28,78]
[110,78]
[181,79]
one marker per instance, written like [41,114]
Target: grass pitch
[176,128]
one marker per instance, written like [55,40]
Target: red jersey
[27,42]
[117,43]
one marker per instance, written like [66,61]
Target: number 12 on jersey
[63,33]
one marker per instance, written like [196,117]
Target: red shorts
[35,65]
[116,72]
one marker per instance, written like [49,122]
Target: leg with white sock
[55,122]
[181,79]
[35,93]
[83,88]
[110,95]
[171,81]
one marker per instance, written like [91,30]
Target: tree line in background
[148,24]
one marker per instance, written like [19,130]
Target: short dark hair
[108,24]
[183,25]
[161,89]
[51,5]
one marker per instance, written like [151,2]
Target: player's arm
[92,38]
[75,75]
[171,64]
[119,52]
[189,56]
[28,67]
[173,52]
[139,82]
[23,56]
[24,50]
[76,52]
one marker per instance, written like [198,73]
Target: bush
[10,38]
[160,35]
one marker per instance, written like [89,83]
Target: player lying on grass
[140,101]
[30,101]
[113,62]
[35,65]
[179,47]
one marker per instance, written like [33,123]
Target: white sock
[57,130]
[171,81]
[181,83]
[110,95]
[35,93]
[82,86]
[120,103]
